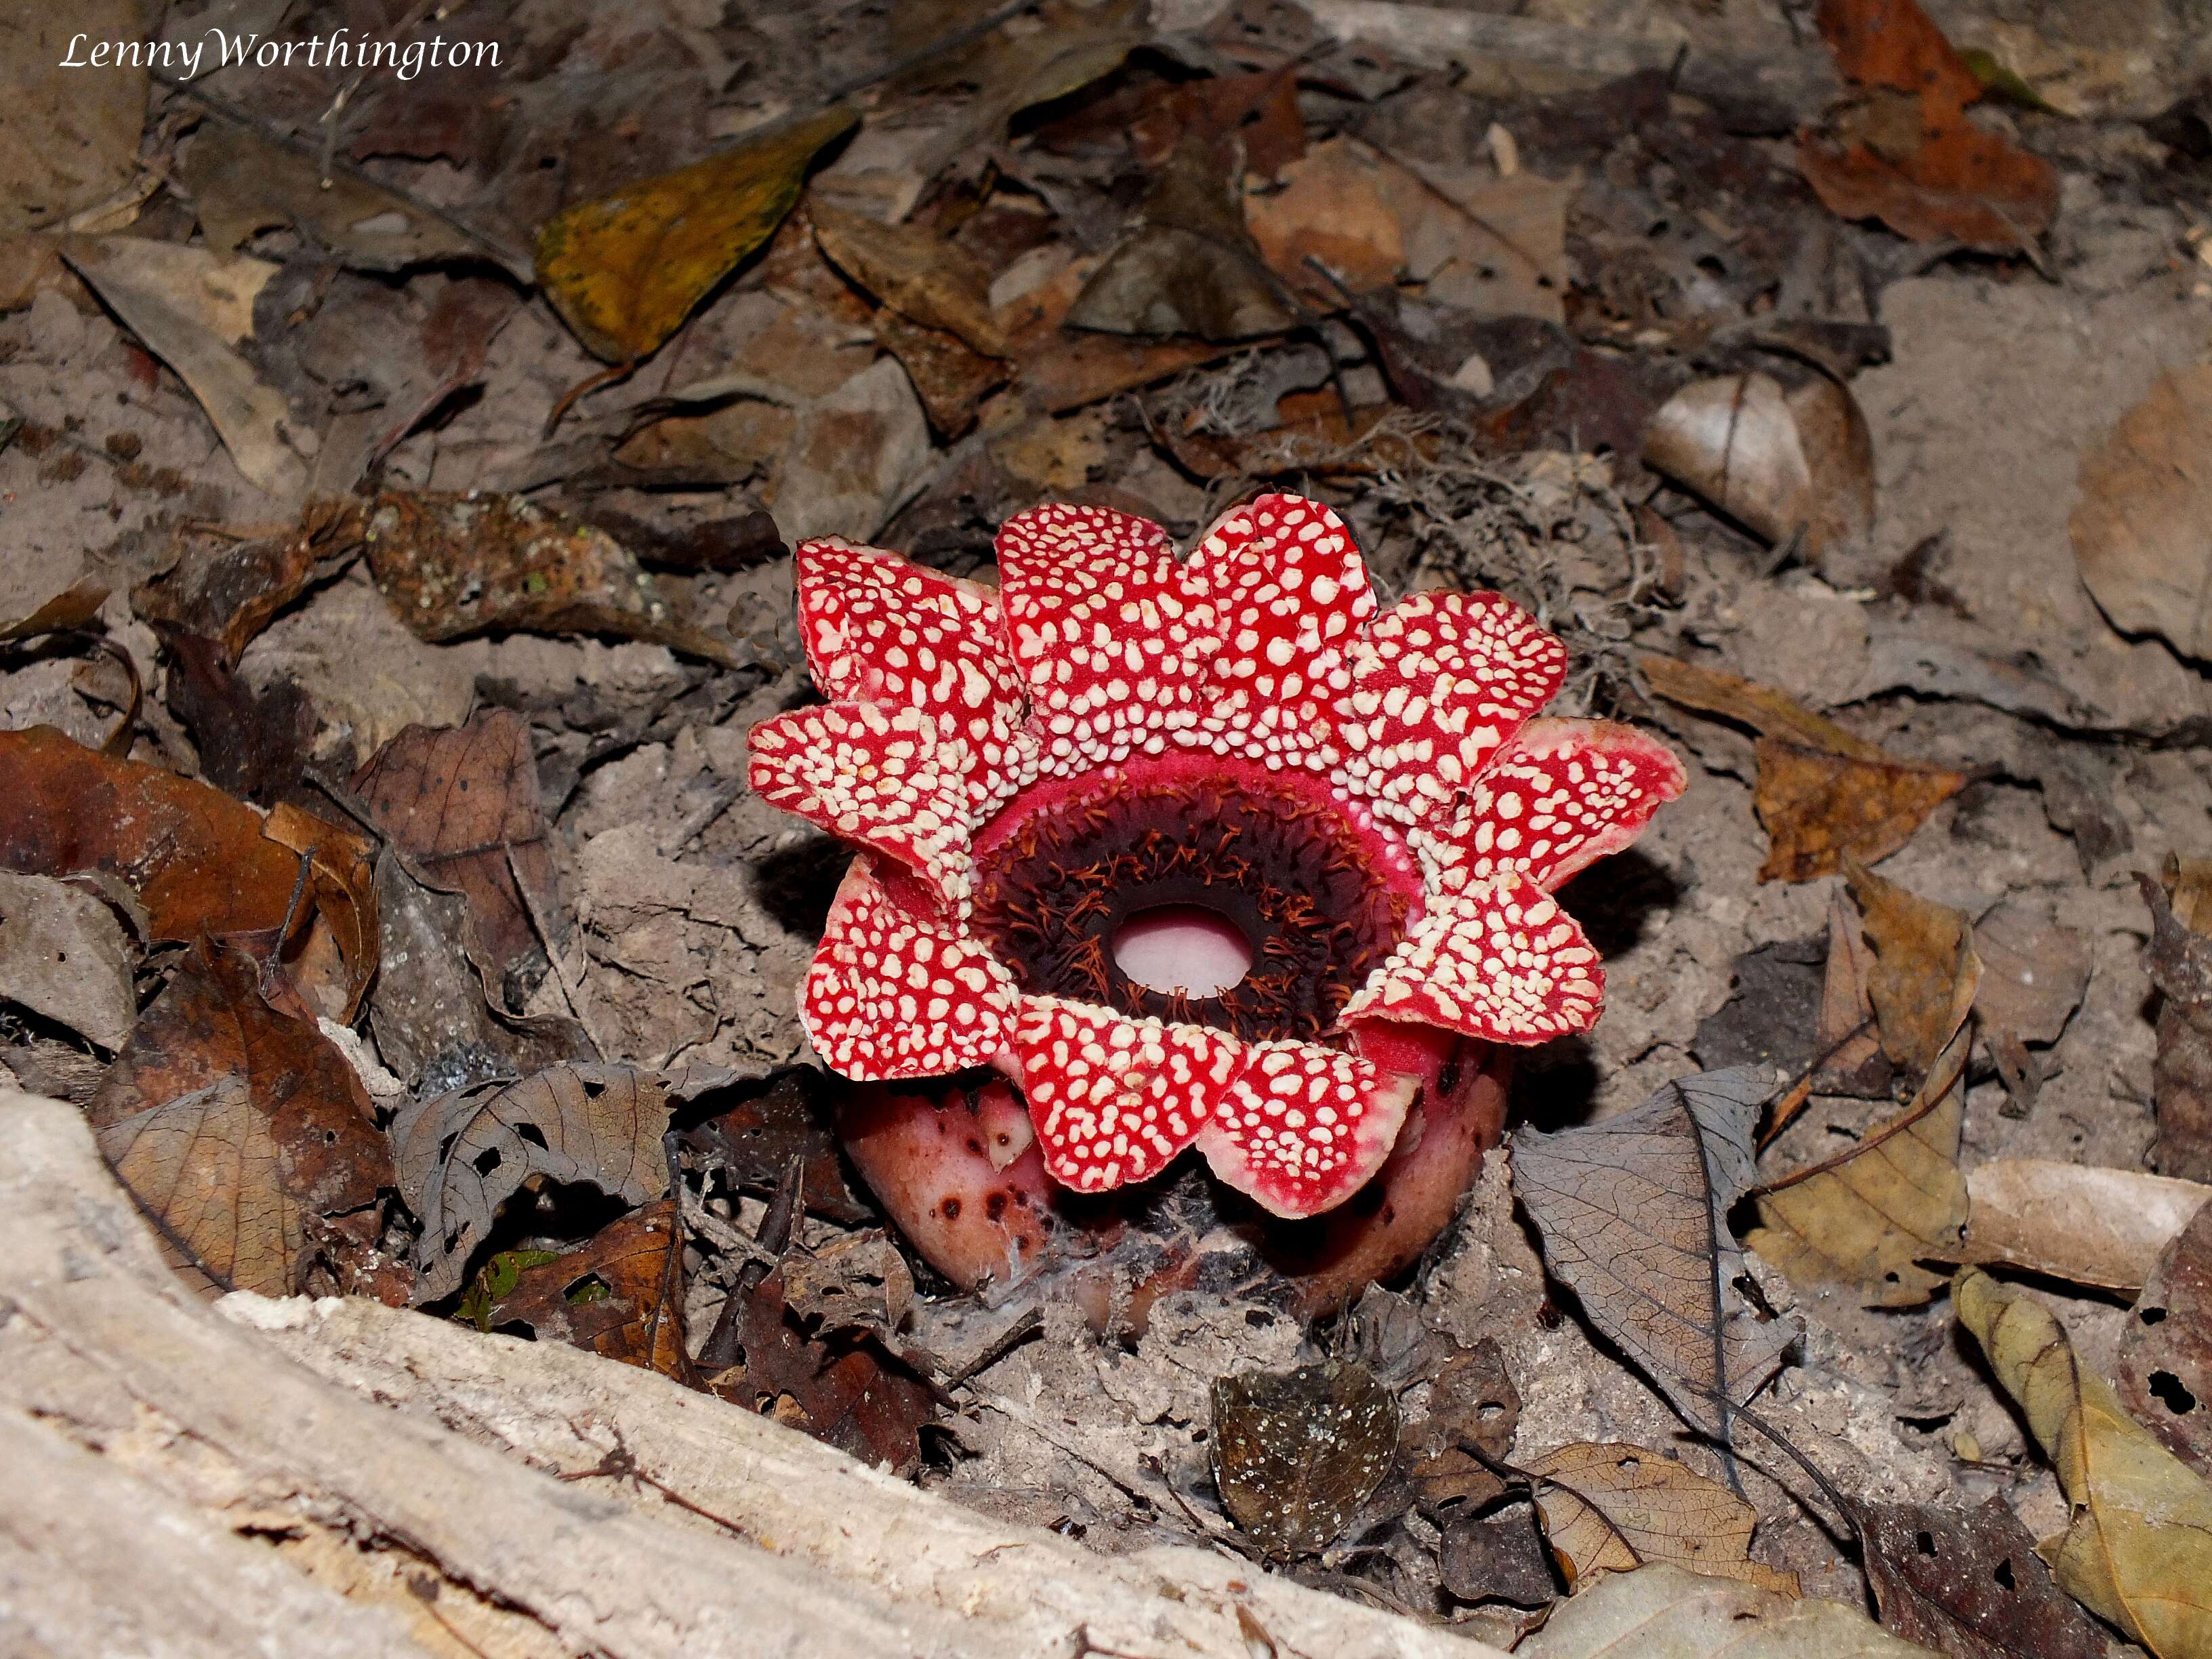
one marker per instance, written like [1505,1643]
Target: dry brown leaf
[2142,529]
[921,275]
[2165,1359]
[2034,971]
[625,271]
[183,324]
[1472,1404]
[2138,1550]
[64,958]
[68,131]
[1187,264]
[2074,1221]
[1820,811]
[463,802]
[2179,958]
[228,588]
[856,1395]
[1496,1558]
[1334,206]
[1782,463]
[1969,1583]
[1663,1612]
[460,1156]
[74,607]
[241,182]
[201,862]
[950,380]
[1925,961]
[241,1131]
[453,565]
[853,456]
[1905,152]
[1612,1508]
[1770,713]
[1867,1216]
[614,1295]
[1633,1214]
[1849,1036]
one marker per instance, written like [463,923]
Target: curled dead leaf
[2073,1221]
[2179,958]
[1612,1508]
[2138,1550]
[228,588]
[201,861]
[614,1295]
[1925,963]
[1791,463]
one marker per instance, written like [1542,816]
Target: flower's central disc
[1192,889]
[1182,947]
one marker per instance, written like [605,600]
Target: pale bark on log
[407,1475]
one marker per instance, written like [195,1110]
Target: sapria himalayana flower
[1185,847]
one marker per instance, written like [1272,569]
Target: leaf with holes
[1633,1213]
[2138,1549]
[1473,1404]
[241,1131]
[461,1155]
[1969,1583]
[2165,1358]
[1612,1508]
[1296,1452]
[853,1394]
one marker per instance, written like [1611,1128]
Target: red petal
[1303,1127]
[1501,962]
[1442,681]
[1561,797]
[881,628]
[1108,631]
[896,993]
[1288,591]
[873,776]
[1114,1099]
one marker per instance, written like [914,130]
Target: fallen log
[337,1477]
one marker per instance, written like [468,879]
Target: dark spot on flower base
[1289,874]
[952,1209]
[995,1207]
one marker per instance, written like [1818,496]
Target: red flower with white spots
[1182,846]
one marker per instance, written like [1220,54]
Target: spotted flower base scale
[1365,799]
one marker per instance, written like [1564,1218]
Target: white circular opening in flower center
[1182,947]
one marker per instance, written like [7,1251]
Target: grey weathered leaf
[460,1156]
[61,956]
[1296,1452]
[1634,1213]
[1668,1613]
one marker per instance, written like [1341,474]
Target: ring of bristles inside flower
[1284,870]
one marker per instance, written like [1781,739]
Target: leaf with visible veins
[1633,1212]
[1615,1508]
[241,1130]
[460,1156]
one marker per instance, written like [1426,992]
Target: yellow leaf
[625,271]
[1615,1508]
[2139,1549]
